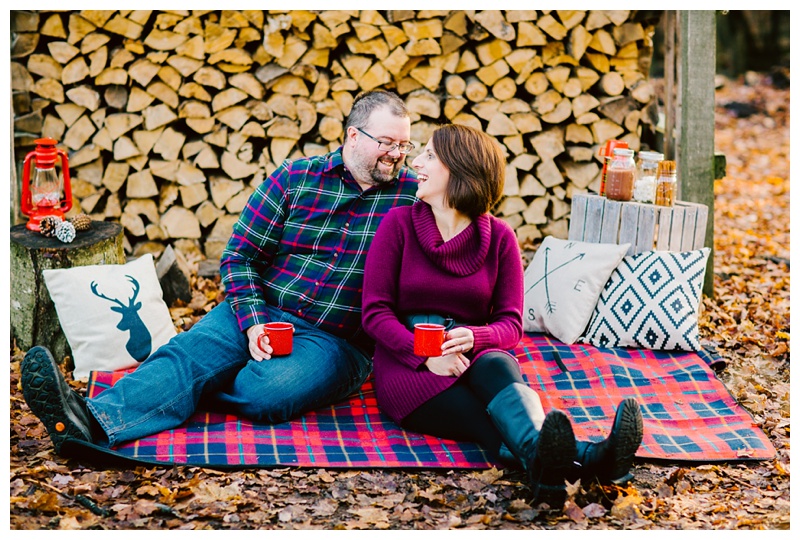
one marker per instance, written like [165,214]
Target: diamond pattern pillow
[562,285]
[651,301]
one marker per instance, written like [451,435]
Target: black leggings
[459,413]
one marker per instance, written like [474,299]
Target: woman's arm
[505,323]
[381,290]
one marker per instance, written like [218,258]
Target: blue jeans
[211,364]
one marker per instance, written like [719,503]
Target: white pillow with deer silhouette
[113,315]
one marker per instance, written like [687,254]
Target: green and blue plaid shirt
[301,241]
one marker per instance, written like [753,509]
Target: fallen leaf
[490,476]
[627,507]
[574,512]
[594,510]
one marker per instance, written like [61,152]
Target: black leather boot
[610,460]
[62,410]
[546,454]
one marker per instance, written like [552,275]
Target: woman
[447,256]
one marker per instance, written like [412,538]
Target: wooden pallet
[645,226]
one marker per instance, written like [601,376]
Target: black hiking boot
[62,410]
[610,460]
[554,460]
[546,454]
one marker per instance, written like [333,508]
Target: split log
[476,90]
[175,276]
[612,84]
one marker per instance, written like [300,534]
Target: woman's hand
[451,365]
[258,343]
[458,341]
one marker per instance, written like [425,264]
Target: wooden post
[670,32]
[695,119]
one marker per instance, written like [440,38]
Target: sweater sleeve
[252,246]
[381,281]
[505,322]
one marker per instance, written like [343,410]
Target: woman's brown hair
[477,168]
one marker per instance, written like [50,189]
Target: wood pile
[172,118]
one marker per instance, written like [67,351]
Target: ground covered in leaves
[747,320]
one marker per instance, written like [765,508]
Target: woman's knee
[495,363]
[492,372]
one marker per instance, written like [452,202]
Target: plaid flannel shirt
[301,241]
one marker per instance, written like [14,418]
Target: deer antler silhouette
[131,300]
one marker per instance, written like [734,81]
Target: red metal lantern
[42,196]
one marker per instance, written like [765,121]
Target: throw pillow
[112,315]
[562,285]
[651,301]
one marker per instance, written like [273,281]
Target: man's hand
[258,343]
[451,365]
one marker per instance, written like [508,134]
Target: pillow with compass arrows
[563,283]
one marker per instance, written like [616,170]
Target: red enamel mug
[280,337]
[428,339]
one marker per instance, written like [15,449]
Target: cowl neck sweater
[475,277]
[463,254]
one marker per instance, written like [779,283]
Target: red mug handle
[264,333]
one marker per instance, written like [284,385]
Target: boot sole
[44,395]
[556,453]
[628,415]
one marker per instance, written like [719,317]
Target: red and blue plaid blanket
[688,413]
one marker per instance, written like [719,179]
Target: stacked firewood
[172,118]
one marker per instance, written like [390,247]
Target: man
[296,255]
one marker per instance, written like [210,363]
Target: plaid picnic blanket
[688,414]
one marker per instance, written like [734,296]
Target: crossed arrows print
[550,306]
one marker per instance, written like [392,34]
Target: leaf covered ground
[747,320]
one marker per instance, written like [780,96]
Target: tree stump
[34,320]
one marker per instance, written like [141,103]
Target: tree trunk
[34,320]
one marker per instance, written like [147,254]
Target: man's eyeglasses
[384,146]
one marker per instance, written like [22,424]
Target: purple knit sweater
[476,278]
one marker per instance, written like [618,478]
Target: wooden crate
[645,226]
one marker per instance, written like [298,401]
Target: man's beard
[374,174]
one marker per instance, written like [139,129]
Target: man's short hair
[366,102]
[477,167]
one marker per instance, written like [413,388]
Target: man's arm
[252,247]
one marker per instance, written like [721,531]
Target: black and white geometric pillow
[651,301]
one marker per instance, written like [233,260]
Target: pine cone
[48,225]
[65,232]
[81,222]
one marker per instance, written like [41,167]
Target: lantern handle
[26,204]
[66,205]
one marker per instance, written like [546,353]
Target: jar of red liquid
[620,175]
[606,153]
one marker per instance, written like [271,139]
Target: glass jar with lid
[644,188]
[620,175]
[607,153]
[666,184]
